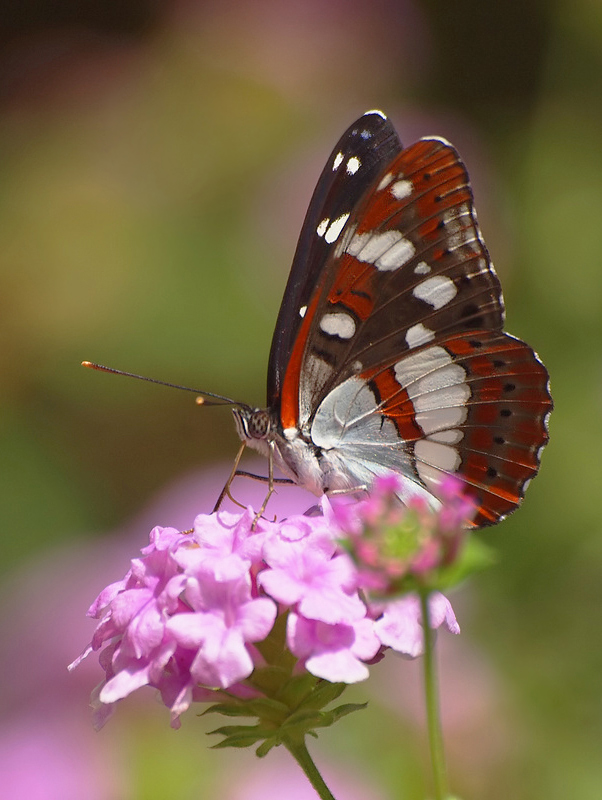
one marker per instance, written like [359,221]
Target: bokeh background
[156,160]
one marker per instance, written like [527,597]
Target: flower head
[235,611]
[396,547]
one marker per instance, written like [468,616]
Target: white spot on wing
[353,164]
[322,227]
[437,387]
[432,477]
[418,335]
[396,257]
[387,250]
[367,247]
[401,189]
[338,160]
[302,311]
[385,181]
[422,268]
[413,367]
[335,228]
[439,421]
[441,456]
[443,388]
[338,324]
[447,437]
[437,291]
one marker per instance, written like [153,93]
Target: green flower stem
[300,753]
[433,714]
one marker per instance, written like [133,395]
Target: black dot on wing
[491,472]
[427,176]
[475,343]
[505,412]
[509,387]
[499,440]
[499,362]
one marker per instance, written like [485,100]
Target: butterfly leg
[270,485]
[241,473]
[226,490]
[270,479]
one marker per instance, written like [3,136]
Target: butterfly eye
[258,423]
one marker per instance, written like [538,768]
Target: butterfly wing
[396,358]
[349,172]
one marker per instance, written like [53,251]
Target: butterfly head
[252,424]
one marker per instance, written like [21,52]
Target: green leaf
[281,722]
[297,689]
[270,679]
[239,736]
[348,708]
[265,748]
[324,693]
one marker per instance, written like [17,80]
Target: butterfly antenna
[216,399]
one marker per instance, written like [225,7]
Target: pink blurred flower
[400,626]
[394,545]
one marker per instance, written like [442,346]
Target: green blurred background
[156,160]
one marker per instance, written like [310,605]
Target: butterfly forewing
[349,172]
[396,357]
[408,268]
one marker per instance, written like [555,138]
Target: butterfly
[389,352]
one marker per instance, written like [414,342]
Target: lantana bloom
[191,614]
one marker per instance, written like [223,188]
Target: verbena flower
[397,548]
[255,615]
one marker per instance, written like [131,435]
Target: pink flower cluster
[188,614]
[390,542]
